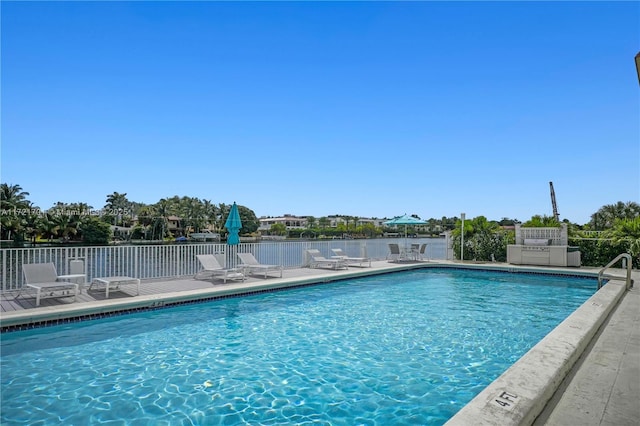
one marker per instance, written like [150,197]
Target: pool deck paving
[589,373]
[603,388]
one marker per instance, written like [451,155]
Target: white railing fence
[179,260]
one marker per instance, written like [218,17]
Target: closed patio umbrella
[233,225]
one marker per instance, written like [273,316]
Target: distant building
[174,225]
[288,220]
[336,220]
[300,222]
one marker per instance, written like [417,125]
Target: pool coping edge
[520,394]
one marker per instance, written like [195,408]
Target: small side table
[79,279]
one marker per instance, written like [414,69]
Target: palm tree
[278,229]
[223,212]
[324,222]
[348,219]
[162,209]
[32,224]
[311,222]
[47,226]
[192,212]
[626,232]
[210,213]
[12,196]
[65,226]
[607,215]
[117,206]
[12,225]
[15,207]
[145,215]
[544,221]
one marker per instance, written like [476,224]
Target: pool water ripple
[408,348]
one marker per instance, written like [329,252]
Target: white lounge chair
[340,254]
[317,260]
[44,278]
[212,268]
[250,264]
[111,284]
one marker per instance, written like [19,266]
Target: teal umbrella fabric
[405,220]
[233,225]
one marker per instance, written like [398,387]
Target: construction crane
[556,215]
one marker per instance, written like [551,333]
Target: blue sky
[317,108]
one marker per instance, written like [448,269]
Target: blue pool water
[403,349]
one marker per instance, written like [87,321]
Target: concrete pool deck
[596,350]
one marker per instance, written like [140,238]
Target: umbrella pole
[406,243]
[231,259]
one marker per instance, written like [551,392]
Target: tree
[145,216]
[221,217]
[12,226]
[47,226]
[626,232]
[12,196]
[538,221]
[118,208]
[505,221]
[353,219]
[449,224]
[484,240]
[211,213]
[66,217]
[370,230]
[32,224]
[278,229]
[14,209]
[66,226]
[95,231]
[192,212]
[607,215]
[160,227]
[311,222]
[250,222]
[324,222]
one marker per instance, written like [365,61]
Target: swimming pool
[402,348]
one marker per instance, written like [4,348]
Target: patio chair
[394,253]
[415,251]
[421,252]
[44,278]
[317,260]
[340,254]
[212,268]
[250,264]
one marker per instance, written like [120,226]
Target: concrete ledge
[520,394]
